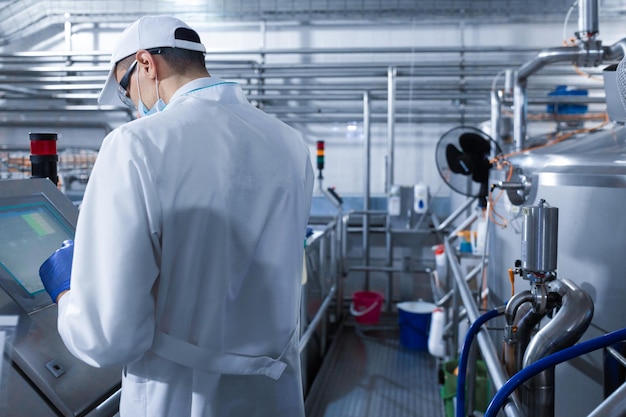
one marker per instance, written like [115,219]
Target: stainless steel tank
[585,177]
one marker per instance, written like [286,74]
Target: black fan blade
[474,144]
[457,161]
[480,173]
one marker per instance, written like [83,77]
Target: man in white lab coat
[187,258]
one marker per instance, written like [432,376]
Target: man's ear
[146,62]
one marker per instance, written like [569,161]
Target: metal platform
[367,373]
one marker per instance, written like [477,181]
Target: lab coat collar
[200,84]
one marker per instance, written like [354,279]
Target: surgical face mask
[144,111]
[158,106]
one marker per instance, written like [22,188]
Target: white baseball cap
[147,33]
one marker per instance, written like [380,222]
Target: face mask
[144,111]
[158,106]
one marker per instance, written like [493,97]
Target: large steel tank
[585,177]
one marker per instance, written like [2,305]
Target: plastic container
[441,263]
[465,242]
[448,390]
[436,343]
[567,108]
[479,235]
[420,198]
[414,319]
[366,306]
[394,203]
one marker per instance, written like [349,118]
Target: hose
[463,359]
[548,362]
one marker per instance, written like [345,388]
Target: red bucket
[366,306]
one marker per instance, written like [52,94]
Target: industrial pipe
[514,304]
[545,57]
[392,73]
[588,52]
[548,362]
[521,300]
[613,405]
[517,341]
[565,329]
[366,182]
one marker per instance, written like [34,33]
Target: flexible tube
[467,344]
[547,362]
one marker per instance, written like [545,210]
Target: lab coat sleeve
[107,317]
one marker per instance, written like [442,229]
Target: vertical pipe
[519,114]
[392,73]
[336,265]
[323,271]
[389,262]
[391,125]
[68,32]
[495,116]
[339,265]
[263,30]
[587,19]
[366,185]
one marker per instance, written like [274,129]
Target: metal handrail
[317,319]
[487,348]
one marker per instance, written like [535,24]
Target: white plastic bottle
[420,198]
[479,234]
[393,201]
[441,263]
[436,343]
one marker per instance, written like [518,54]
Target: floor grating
[367,373]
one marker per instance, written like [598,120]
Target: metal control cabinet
[44,378]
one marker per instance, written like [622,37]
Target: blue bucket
[414,320]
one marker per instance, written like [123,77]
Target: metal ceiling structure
[20,18]
[433,85]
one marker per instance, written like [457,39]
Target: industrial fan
[463,161]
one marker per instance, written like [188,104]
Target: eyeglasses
[122,88]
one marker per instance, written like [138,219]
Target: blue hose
[467,344]
[548,362]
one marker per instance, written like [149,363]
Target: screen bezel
[65,214]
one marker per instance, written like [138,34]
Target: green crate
[448,389]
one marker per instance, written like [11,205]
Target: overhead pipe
[588,53]
[560,54]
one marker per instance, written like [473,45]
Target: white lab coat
[188,259]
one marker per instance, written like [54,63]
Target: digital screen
[29,234]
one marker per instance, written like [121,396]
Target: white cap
[146,33]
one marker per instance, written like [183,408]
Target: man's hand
[56,271]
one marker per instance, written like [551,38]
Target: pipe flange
[518,188]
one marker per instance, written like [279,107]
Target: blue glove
[56,271]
